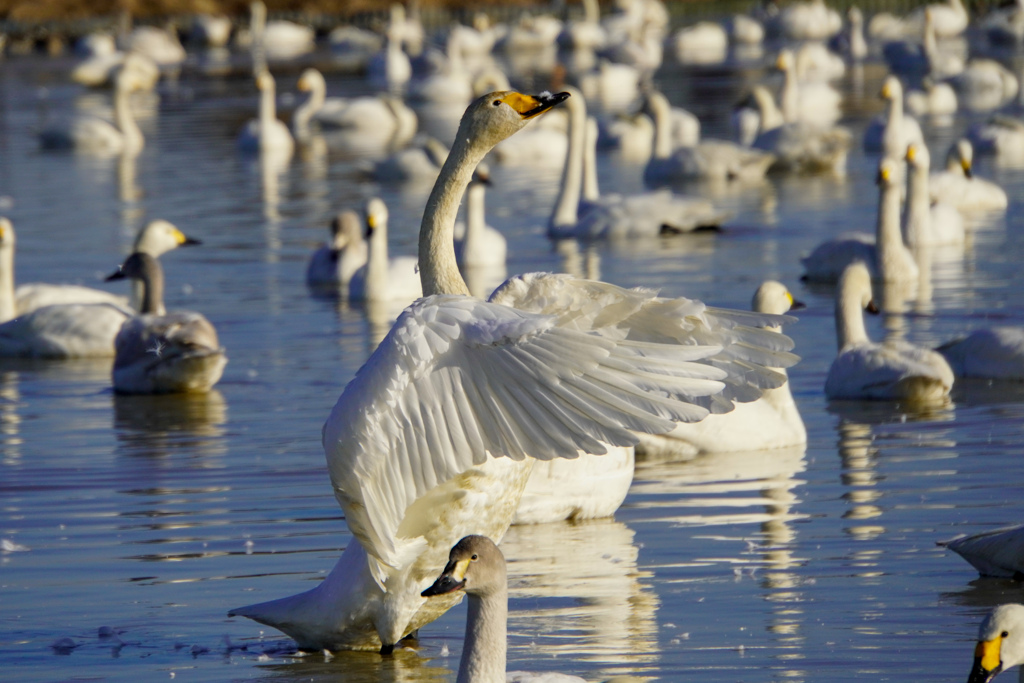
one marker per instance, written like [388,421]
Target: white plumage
[1000,643]
[998,552]
[957,185]
[383,278]
[266,133]
[993,353]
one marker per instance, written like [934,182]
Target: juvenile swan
[476,567]
[435,436]
[1000,643]
[159,352]
[866,370]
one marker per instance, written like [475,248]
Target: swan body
[1000,643]
[852,43]
[156,238]
[463,395]
[958,186]
[811,20]
[745,30]
[481,245]
[93,135]
[924,223]
[815,63]
[633,135]
[893,131]
[211,30]
[277,40]
[159,45]
[949,19]
[772,421]
[420,161]
[159,352]
[994,353]
[999,552]
[266,133]
[804,101]
[477,568]
[611,87]
[334,264]
[75,330]
[1001,135]
[798,146]
[866,370]
[886,254]
[936,100]
[985,84]
[543,143]
[353,47]
[383,278]
[389,69]
[702,43]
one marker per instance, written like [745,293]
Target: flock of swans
[494,401]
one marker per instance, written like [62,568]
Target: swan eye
[474,557]
[496,103]
[1004,634]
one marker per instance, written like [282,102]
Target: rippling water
[151,517]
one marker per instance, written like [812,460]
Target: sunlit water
[152,517]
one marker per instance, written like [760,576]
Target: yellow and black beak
[795,304]
[987,661]
[453,578]
[872,307]
[883,175]
[529,106]
[966,165]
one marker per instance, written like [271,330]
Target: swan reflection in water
[160,426]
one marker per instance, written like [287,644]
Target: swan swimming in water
[435,436]
[266,133]
[383,278]
[336,262]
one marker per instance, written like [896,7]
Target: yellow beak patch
[988,652]
[911,152]
[460,569]
[529,106]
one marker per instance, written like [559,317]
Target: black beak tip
[797,305]
[445,584]
[116,275]
[191,242]
[871,308]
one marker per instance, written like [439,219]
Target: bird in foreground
[476,568]
[998,552]
[435,436]
[159,352]
[1000,643]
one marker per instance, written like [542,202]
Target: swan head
[6,232]
[888,173]
[892,89]
[264,81]
[775,298]
[310,80]
[918,156]
[785,60]
[160,236]
[1000,643]
[497,115]
[961,154]
[855,16]
[375,213]
[134,74]
[346,229]
[475,566]
[855,286]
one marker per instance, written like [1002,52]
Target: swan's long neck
[917,214]
[591,189]
[304,114]
[850,320]
[268,111]
[133,140]
[661,111]
[152,292]
[771,116]
[483,654]
[895,262]
[7,308]
[892,141]
[439,272]
[568,201]
[591,11]
[790,95]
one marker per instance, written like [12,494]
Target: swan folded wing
[458,381]
[158,337]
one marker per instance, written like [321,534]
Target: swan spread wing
[459,380]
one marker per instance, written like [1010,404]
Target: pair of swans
[435,437]
[157,352]
[890,371]
[581,211]
[94,135]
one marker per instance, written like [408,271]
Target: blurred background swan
[266,133]
[383,278]
[334,264]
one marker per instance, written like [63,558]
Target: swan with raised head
[156,238]
[997,552]
[581,211]
[435,436]
[480,245]
[266,133]
[890,371]
[884,252]
[891,132]
[94,135]
[390,69]
[798,146]
[74,330]
[159,352]
[810,102]
[925,223]
[383,278]
[772,421]
[336,262]
[707,160]
[476,568]
[957,185]
[991,353]
[1000,643]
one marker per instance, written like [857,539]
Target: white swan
[799,146]
[420,161]
[211,30]
[390,68]
[985,84]
[476,568]
[936,100]
[811,20]
[957,185]
[925,223]
[994,353]
[1001,135]
[480,246]
[948,18]
[891,132]
[156,238]
[459,381]
[93,135]
[702,43]
[772,421]
[866,370]
[803,101]
[266,133]
[1000,643]
[384,118]
[159,352]
[383,278]
[998,552]
[84,330]
[160,45]
[336,262]
[278,39]
[707,160]
[884,253]
[925,58]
